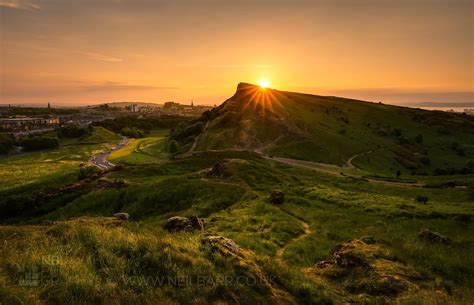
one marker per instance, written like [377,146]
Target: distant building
[469,111]
[27,123]
[132,107]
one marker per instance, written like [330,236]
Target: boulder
[216,171]
[185,224]
[221,244]
[434,237]
[122,216]
[277,197]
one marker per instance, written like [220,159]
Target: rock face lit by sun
[263,83]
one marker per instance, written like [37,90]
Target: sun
[263,83]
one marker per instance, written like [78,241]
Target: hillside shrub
[132,132]
[39,142]
[173,147]
[73,131]
[6,143]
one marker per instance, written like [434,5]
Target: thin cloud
[78,88]
[20,5]
[101,57]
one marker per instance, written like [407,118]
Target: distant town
[20,120]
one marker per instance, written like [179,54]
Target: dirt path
[349,162]
[334,170]
[193,147]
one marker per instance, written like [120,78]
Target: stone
[277,197]
[434,237]
[221,244]
[183,224]
[122,216]
[216,171]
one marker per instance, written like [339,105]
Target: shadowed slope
[334,130]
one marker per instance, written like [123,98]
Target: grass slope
[103,262]
[332,130]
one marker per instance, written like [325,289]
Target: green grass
[24,176]
[332,130]
[102,262]
[151,149]
[336,209]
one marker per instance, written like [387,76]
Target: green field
[151,149]
[342,235]
[335,210]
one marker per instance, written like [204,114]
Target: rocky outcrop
[221,244]
[122,216]
[183,224]
[277,197]
[217,171]
[365,269]
[111,184]
[434,237]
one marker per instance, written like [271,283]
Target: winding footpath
[101,161]
[307,231]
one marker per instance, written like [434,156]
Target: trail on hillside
[193,147]
[334,170]
[307,231]
[349,163]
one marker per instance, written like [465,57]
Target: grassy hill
[333,130]
[99,259]
[335,239]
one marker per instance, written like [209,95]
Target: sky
[75,52]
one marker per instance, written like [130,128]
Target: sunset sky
[92,51]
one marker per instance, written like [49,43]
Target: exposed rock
[277,197]
[122,216]
[179,223]
[243,261]
[111,184]
[221,244]
[196,223]
[217,171]
[434,237]
[365,269]
[347,255]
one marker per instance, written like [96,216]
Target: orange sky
[74,52]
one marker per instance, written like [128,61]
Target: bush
[39,142]
[73,131]
[422,199]
[173,147]
[86,171]
[132,132]
[6,143]
[146,124]
[182,132]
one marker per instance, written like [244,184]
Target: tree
[39,142]
[6,143]
[422,199]
[173,147]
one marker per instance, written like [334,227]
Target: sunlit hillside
[376,137]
